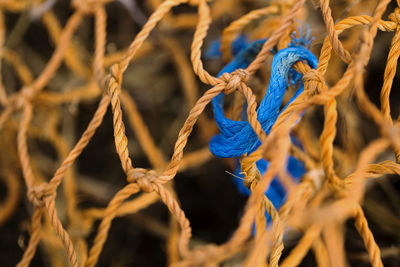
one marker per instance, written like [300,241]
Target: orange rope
[331,190]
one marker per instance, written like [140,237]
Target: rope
[295,176]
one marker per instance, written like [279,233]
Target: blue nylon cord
[237,137]
[214,52]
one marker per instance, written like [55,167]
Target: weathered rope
[330,190]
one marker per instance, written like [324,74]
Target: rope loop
[38,193]
[143,178]
[314,82]
[234,80]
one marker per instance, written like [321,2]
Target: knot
[314,82]
[250,171]
[395,16]
[252,175]
[37,194]
[338,187]
[113,80]
[204,255]
[143,178]
[24,96]
[234,80]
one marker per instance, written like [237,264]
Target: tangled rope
[332,181]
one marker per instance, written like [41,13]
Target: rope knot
[37,194]
[25,95]
[143,178]
[204,254]
[113,79]
[250,171]
[234,80]
[395,16]
[338,187]
[314,82]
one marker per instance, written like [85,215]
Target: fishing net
[80,79]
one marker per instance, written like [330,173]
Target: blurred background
[156,82]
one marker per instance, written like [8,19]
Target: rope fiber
[303,169]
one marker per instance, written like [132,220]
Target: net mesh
[36,99]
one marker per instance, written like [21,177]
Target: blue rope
[214,49]
[237,137]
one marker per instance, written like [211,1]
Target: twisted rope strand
[313,205]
